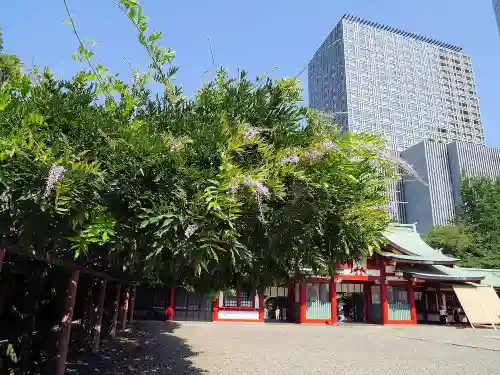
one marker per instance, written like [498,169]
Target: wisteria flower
[250,134]
[175,145]
[260,189]
[190,230]
[294,159]
[394,159]
[55,174]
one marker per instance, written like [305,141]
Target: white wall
[235,314]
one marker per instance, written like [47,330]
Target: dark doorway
[351,302]
[192,306]
[276,304]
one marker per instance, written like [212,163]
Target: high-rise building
[496,9]
[402,86]
[443,166]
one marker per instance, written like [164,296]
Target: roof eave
[444,277]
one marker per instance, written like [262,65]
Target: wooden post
[367,290]
[302,302]
[132,304]
[67,318]
[124,309]
[384,303]
[426,306]
[238,295]
[2,257]
[291,303]
[333,299]
[116,309]
[411,299]
[98,317]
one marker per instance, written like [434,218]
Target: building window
[318,292]
[397,295]
[238,298]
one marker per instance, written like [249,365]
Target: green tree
[238,183]
[473,237]
[10,65]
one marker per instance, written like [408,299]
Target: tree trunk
[98,310]
[66,321]
[116,308]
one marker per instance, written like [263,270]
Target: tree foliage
[238,183]
[10,65]
[473,237]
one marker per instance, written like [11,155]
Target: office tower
[402,86]
[443,166]
[496,9]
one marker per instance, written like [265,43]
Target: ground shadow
[147,348]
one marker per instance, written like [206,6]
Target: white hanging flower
[190,230]
[250,134]
[55,173]
[394,159]
[233,188]
[312,154]
[294,159]
[260,189]
[175,144]
[329,145]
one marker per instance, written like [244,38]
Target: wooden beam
[50,258]
[67,318]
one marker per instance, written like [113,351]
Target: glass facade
[399,85]
[404,87]
[496,8]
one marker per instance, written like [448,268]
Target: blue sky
[256,35]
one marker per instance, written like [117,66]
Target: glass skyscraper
[406,88]
[496,9]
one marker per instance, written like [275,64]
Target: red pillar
[131,307]
[98,317]
[169,312]
[384,303]
[116,309]
[302,302]
[261,305]
[291,303]
[124,308]
[411,299]
[215,309]
[333,300]
[67,318]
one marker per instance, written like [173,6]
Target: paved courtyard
[238,348]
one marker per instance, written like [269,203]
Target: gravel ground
[238,348]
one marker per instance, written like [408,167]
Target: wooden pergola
[123,302]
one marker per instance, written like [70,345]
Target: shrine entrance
[276,304]
[350,302]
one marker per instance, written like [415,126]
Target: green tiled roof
[406,239]
[491,277]
[443,273]
[417,259]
